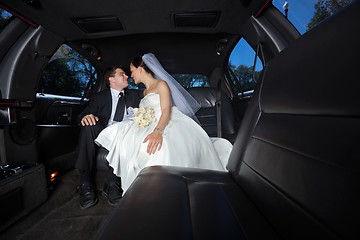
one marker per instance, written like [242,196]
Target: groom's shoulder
[102,93]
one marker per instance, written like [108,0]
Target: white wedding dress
[185,144]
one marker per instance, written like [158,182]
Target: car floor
[60,217]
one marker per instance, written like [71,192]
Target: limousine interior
[293,173]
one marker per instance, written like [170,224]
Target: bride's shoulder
[162,84]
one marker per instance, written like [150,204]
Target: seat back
[207,114]
[297,154]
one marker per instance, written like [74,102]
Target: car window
[4,17]
[241,68]
[185,80]
[132,84]
[305,14]
[67,74]
[192,80]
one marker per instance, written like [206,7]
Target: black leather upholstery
[294,169]
[206,115]
[301,162]
[182,203]
[102,168]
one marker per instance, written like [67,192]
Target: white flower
[143,116]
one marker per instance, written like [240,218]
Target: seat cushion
[190,204]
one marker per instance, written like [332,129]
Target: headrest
[205,96]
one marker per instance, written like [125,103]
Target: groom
[105,107]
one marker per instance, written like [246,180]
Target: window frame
[90,83]
[234,81]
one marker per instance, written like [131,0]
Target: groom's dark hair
[110,72]
[138,62]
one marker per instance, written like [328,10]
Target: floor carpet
[60,217]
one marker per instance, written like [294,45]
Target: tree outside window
[305,14]
[324,9]
[192,80]
[241,67]
[67,74]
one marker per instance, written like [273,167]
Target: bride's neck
[149,82]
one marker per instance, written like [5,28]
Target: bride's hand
[155,142]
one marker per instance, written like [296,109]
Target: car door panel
[58,130]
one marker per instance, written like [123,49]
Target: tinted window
[132,84]
[185,80]
[305,14]
[192,80]
[4,17]
[67,74]
[241,67]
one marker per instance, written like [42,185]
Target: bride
[170,136]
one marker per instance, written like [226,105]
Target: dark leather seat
[294,172]
[207,114]
[102,168]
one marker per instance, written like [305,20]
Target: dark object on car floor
[277,187]
[19,193]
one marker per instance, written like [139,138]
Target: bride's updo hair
[138,62]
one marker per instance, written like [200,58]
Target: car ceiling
[139,26]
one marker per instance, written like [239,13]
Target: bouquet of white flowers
[143,116]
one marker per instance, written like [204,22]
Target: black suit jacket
[100,104]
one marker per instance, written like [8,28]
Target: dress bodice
[152,100]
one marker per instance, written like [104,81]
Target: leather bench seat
[186,204]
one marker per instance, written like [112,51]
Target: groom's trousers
[87,149]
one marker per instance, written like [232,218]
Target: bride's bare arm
[155,138]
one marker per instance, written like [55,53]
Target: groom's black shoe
[113,192]
[87,195]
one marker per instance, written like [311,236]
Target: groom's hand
[155,142]
[89,119]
